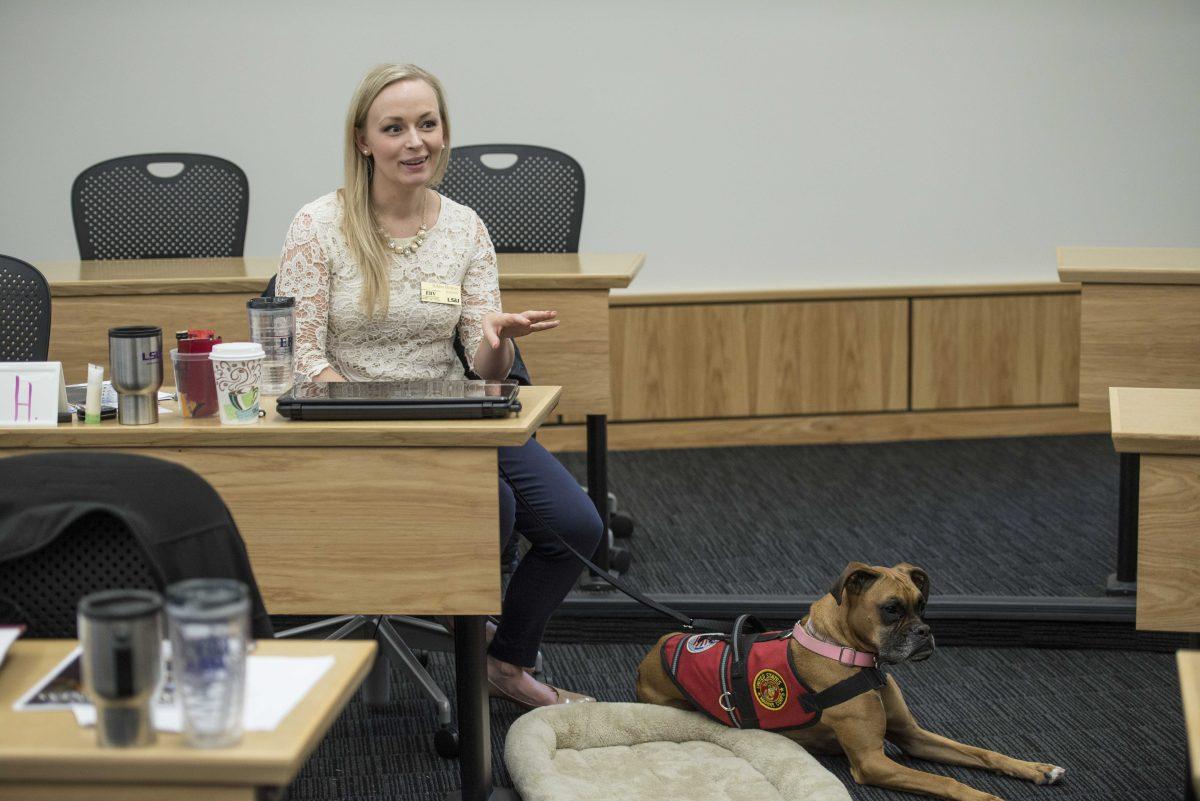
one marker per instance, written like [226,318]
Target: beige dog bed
[642,752]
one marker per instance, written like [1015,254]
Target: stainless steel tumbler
[120,634]
[135,364]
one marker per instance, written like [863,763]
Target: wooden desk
[333,513]
[355,517]
[47,755]
[1139,327]
[1140,318]
[1188,663]
[1163,427]
[90,297]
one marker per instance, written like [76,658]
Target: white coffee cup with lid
[237,372]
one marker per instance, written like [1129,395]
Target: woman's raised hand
[502,324]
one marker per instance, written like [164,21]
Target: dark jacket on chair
[178,519]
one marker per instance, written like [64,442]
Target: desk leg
[1124,581]
[597,485]
[597,478]
[474,715]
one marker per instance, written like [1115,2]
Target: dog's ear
[919,578]
[854,579]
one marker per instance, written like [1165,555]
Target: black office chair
[75,522]
[532,202]
[24,312]
[531,205]
[124,208]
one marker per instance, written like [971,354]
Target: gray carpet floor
[1021,516]
[1026,516]
[1111,718]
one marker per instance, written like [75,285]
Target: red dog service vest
[701,665]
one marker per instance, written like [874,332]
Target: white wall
[754,144]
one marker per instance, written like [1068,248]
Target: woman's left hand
[501,324]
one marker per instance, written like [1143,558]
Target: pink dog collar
[838,653]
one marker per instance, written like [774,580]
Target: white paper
[31,393]
[65,676]
[8,635]
[274,685]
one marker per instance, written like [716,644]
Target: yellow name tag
[449,294]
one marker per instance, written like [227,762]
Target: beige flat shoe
[562,696]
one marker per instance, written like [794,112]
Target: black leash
[688,623]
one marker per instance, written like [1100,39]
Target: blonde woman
[355,261]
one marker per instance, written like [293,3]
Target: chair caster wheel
[621,525]
[619,560]
[445,742]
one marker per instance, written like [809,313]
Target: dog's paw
[1050,774]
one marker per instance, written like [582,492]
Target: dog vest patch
[700,666]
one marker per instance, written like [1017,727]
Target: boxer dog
[873,611]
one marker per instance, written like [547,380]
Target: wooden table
[1188,663]
[1139,318]
[1162,426]
[1139,327]
[354,517]
[47,755]
[333,512]
[89,297]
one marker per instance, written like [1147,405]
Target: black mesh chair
[73,523]
[533,205]
[123,210]
[24,312]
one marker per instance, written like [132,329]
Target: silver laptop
[423,399]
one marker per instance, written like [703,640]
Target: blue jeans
[538,497]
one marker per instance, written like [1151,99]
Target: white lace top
[415,339]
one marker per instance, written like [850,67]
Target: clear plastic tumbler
[210,628]
[272,325]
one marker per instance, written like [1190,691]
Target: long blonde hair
[358,221]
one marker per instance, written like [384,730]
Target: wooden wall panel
[570,356]
[747,359]
[567,356]
[1168,569]
[1135,334]
[990,352]
[79,325]
[838,356]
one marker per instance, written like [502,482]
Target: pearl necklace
[418,240]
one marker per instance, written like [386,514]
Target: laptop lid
[397,400]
